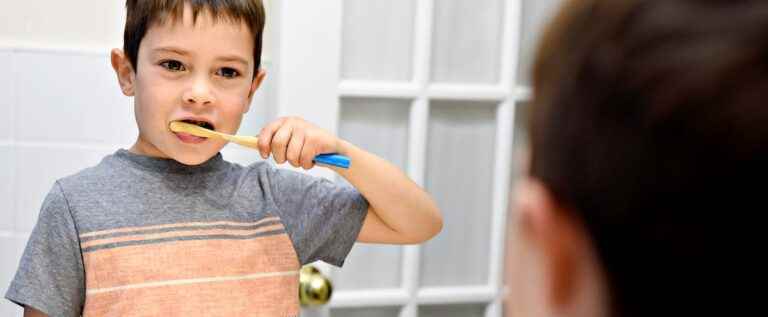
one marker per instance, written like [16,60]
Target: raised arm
[400,211]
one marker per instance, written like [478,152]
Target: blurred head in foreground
[649,139]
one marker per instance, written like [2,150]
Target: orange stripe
[173,234]
[174,225]
[277,296]
[191,259]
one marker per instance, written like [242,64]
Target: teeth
[198,123]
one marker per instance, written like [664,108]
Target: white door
[433,86]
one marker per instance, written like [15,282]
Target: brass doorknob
[314,288]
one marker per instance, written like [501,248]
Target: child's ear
[124,71]
[255,84]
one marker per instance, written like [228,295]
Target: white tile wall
[68,98]
[7,201]
[6,94]
[7,190]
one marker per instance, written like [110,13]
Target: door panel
[467,41]
[460,151]
[377,39]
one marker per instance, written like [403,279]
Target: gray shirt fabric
[126,191]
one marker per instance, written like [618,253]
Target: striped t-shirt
[142,236]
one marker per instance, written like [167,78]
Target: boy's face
[189,70]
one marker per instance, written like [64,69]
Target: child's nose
[199,93]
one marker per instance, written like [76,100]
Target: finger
[280,143]
[293,153]
[265,137]
[308,155]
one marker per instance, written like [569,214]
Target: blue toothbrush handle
[334,159]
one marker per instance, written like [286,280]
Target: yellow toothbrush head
[178,126]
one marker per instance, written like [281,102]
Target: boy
[649,135]
[168,227]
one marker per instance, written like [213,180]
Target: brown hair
[143,13]
[650,124]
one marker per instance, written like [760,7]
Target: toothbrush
[251,142]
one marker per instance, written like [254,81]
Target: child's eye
[228,72]
[172,65]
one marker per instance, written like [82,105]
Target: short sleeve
[322,218]
[50,277]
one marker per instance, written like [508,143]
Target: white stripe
[192,281]
[138,230]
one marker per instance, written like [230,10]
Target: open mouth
[190,138]
[203,124]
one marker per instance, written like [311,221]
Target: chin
[195,158]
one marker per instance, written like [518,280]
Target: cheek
[526,277]
[240,90]
[515,275]
[233,105]
[232,116]
[153,107]
[157,94]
